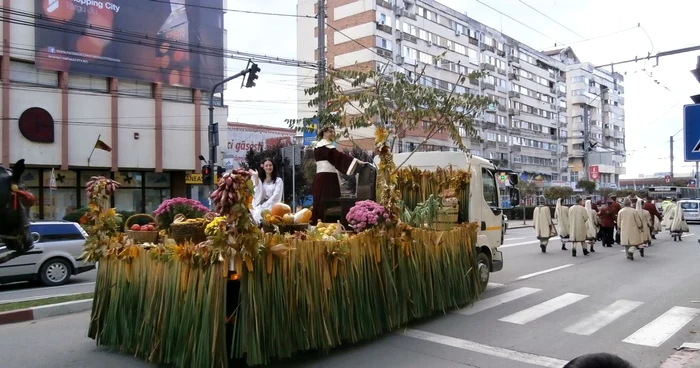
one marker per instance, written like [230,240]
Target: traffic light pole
[213,128]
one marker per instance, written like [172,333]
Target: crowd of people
[632,222]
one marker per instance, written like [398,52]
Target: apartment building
[526,128]
[601,93]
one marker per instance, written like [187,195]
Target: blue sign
[310,133]
[691,132]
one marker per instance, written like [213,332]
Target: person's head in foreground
[599,360]
[327,133]
[579,199]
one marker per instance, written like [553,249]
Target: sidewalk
[518,224]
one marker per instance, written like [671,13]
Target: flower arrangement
[165,213]
[101,222]
[366,214]
[214,228]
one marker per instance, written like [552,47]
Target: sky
[654,94]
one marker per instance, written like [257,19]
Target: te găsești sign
[174,42]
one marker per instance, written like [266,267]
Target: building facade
[528,128]
[151,133]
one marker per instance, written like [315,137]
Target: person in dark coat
[329,161]
[616,207]
[598,360]
[607,224]
[655,214]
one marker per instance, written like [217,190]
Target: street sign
[310,132]
[593,172]
[667,178]
[691,132]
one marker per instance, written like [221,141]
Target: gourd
[303,216]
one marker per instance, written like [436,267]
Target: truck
[485,204]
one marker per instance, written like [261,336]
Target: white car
[54,258]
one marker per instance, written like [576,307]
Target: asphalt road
[540,311]
[20,291]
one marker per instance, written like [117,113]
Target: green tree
[393,103]
[621,193]
[605,192]
[528,190]
[554,193]
[586,185]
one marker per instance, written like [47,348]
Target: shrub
[165,213]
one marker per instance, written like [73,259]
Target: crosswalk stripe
[543,309]
[603,317]
[662,328]
[497,300]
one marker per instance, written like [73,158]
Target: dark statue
[14,217]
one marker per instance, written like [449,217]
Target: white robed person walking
[646,223]
[677,223]
[631,229]
[544,227]
[578,217]
[561,213]
[592,225]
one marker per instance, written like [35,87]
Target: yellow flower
[213,228]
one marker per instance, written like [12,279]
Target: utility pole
[321,53]
[671,141]
[585,141]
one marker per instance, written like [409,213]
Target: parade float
[229,290]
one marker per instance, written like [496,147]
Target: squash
[303,216]
[280,209]
[288,219]
[264,213]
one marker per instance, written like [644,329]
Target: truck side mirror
[513,179]
[514,196]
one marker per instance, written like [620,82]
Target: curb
[45,311]
[519,226]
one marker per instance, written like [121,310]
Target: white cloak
[667,215]
[631,227]
[677,223]
[578,216]
[542,219]
[593,223]
[561,213]
[646,218]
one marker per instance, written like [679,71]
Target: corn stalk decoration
[394,103]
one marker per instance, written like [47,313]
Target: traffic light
[206,175]
[220,171]
[252,75]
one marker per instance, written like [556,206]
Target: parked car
[55,257]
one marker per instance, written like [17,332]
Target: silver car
[54,259]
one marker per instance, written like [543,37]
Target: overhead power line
[517,21]
[552,19]
[235,10]
[657,56]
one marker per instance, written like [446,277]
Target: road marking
[530,275]
[603,317]
[662,328]
[543,309]
[527,242]
[497,300]
[538,360]
[492,285]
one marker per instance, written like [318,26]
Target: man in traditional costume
[667,211]
[607,224]
[631,227]
[578,216]
[678,225]
[544,228]
[328,162]
[594,207]
[615,206]
[561,213]
[655,216]
[646,219]
[591,225]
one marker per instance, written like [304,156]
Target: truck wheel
[483,270]
[55,271]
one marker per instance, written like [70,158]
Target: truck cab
[484,203]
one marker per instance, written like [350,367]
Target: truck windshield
[490,188]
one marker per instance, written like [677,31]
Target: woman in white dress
[267,191]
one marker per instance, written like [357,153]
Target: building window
[574,176]
[383,43]
[135,88]
[63,200]
[28,73]
[87,82]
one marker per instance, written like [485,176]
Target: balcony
[580,100]
[561,94]
[516,166]
[503,145]
[475,141]
[554,154]
[409,37]
[384,52]
[501,53]
[385,4]
[563,154]
[488,66]
[513,94]
[488,86]
[489,125]
[515,131]
[474,82]
[501,108]
[490,144]
[485,47]
[384,28]
[501,71]
[513,76]
[513,112]
[502,128]
[514,148]
[618,134]
[607,132]
[473,41]
[513,59]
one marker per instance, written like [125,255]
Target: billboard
[242,139]
[174,42]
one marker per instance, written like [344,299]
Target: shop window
[128,199]
[59,203]
[32,181]
[86,175]
[157,180]
[63,178]
[28,73]
[129,179]
[154,197]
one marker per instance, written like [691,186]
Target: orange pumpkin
[280,209]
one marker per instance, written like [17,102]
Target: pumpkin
[303,216]
[280,209]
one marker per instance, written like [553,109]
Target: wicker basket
[447,217]
[192,231]
[142,236]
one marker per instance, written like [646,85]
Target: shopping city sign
[196,179]
[593,172]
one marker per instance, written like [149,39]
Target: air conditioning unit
[399,59]
[382,22]
[458,33]
[430,43]
[399,36]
